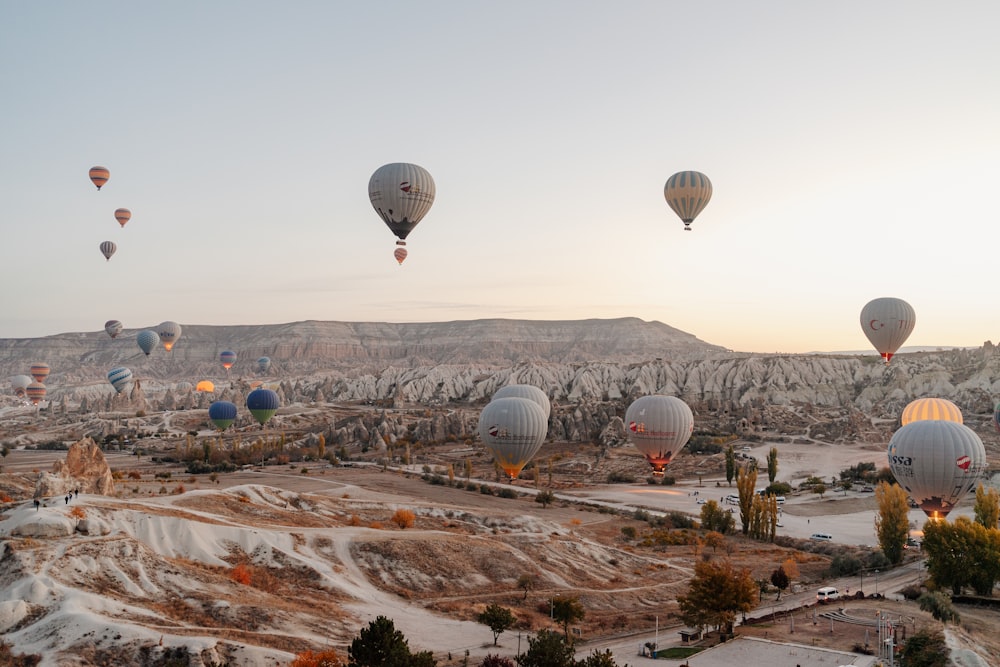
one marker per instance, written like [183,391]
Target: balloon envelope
[147,340]
[513,429]
[222,414]
[687,193]
[39,371]
[99,176]
[205,385]
[122,215]
[659,426]
[930,408]
[168,332]
[401,193]
[526,391]
[35,392]
[108,248]
[113,328]
[119,378]
[262,404]
[887,322]
[400,254]
[228,358]
[264,364]
[937,462]
[19,383]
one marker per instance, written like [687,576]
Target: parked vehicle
[827,594]
[822,537]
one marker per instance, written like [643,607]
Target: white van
[826,594]
[822,537]
[733,499]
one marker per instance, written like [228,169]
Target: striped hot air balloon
[400,253]
[262,404]
[120,378]
[123,215]
[228,358]
[930,408]
[35,392]
[688,193]
[39,371]
[99,176]
[222,414]
[113,328]
[108,248]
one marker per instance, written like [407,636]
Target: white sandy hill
[135,579]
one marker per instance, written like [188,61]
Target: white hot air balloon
[19,383]
[401,193]
[526,391]
[120,378]
[659,426]
[168,332]
[887,322]
[513,429]
[937,462]
[930,408]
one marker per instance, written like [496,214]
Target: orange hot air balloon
[122,215]
[99,175]
[36,392]
[39,371]
[400,254]
[205,385]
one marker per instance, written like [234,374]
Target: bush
[504,492]
[241,574]
[620,478]
[843,565]
[403,518]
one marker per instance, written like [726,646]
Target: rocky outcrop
[84,470]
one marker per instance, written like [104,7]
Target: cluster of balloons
[402,193]
[31,386]
[99,176]
[659,426]
[513,426]
[262,404]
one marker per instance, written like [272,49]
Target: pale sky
[854,149]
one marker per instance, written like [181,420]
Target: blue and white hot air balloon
[120,378]
[147,339]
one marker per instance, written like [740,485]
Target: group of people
[69,496]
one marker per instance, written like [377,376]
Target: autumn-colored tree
[241,574]
[892,523]
[403,518]
[717,593]
[714,518]
[328,658]
[987,507]
[791,568]
[746,480]
[714,539]
[321,447]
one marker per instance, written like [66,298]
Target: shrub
[241,574]
[77,513]
[620,478]
[403,518]
[504,492]
[317,659]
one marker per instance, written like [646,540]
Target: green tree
[547,649]
[714,518]
[566,610]
[892,524]
[987,507]
[939,605]
[926,648]
[526,582]
[382,645]
[730,464]
[496,661]
[717,593]
[746,480]
[499,619]
[819,489]
[772,464]
[963,553]
[779,578]
[598,659]
[545,498]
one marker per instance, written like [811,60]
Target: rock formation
[85,470]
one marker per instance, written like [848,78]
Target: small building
[689,635]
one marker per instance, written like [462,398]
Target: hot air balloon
[687,193]
[119,378]
[526,391]
[184,387]
[401,194]
[113,327]
[122,215]
[930,408]
[169,332]
[400,254]
[659,426]
[39,371]
[107,249]
[228,358]
[887,322]
[264,364]
[513,429]
[206,386]
[147,340]
[19,383]
[937,462]
[222,414]
[262,404]
[99,175]
[35,392]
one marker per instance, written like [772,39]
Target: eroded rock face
[85,470]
